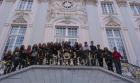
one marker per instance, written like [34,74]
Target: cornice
[91,1]
[122,2]
[43,1]
[134,1]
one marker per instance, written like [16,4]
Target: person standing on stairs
[117,60]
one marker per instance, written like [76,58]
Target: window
[67,33]
[25,5]
[1,2]
[108,8]
[115,40]
[135,8]
[16,37]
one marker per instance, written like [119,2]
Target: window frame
[67,36]
[17,35]
[123,50]
[134,8]
[25,5]
[107,9]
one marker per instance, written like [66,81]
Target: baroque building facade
[111,23]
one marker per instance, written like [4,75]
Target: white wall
[38,29]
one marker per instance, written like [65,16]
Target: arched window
[25,5]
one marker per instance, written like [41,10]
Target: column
[38,29]
[95,33]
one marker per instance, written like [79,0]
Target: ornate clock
[67,4]
[64,5]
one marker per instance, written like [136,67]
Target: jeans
[118,67]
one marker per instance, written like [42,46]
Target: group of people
[61,54]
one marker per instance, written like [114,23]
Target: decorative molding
[122,2]
[134,2]
[22,13]
[109,27]
[111,21]
[57,11]
[20,19]
[40,1]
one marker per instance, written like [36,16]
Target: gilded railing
[128,70]
[131,71]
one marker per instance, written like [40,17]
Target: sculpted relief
[67,9]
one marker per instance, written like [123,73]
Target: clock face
[64,5]
[67,4]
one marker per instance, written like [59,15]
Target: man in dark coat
[40,54]
[92,53]
[22,57]
[15,59]
[86,50]
[108,58]
[99,55]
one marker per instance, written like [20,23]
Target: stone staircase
[130,72]
[64,74]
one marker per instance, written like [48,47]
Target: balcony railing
[128,70]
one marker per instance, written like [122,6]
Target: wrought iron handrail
[131,71]
[128,70]
[1,67]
